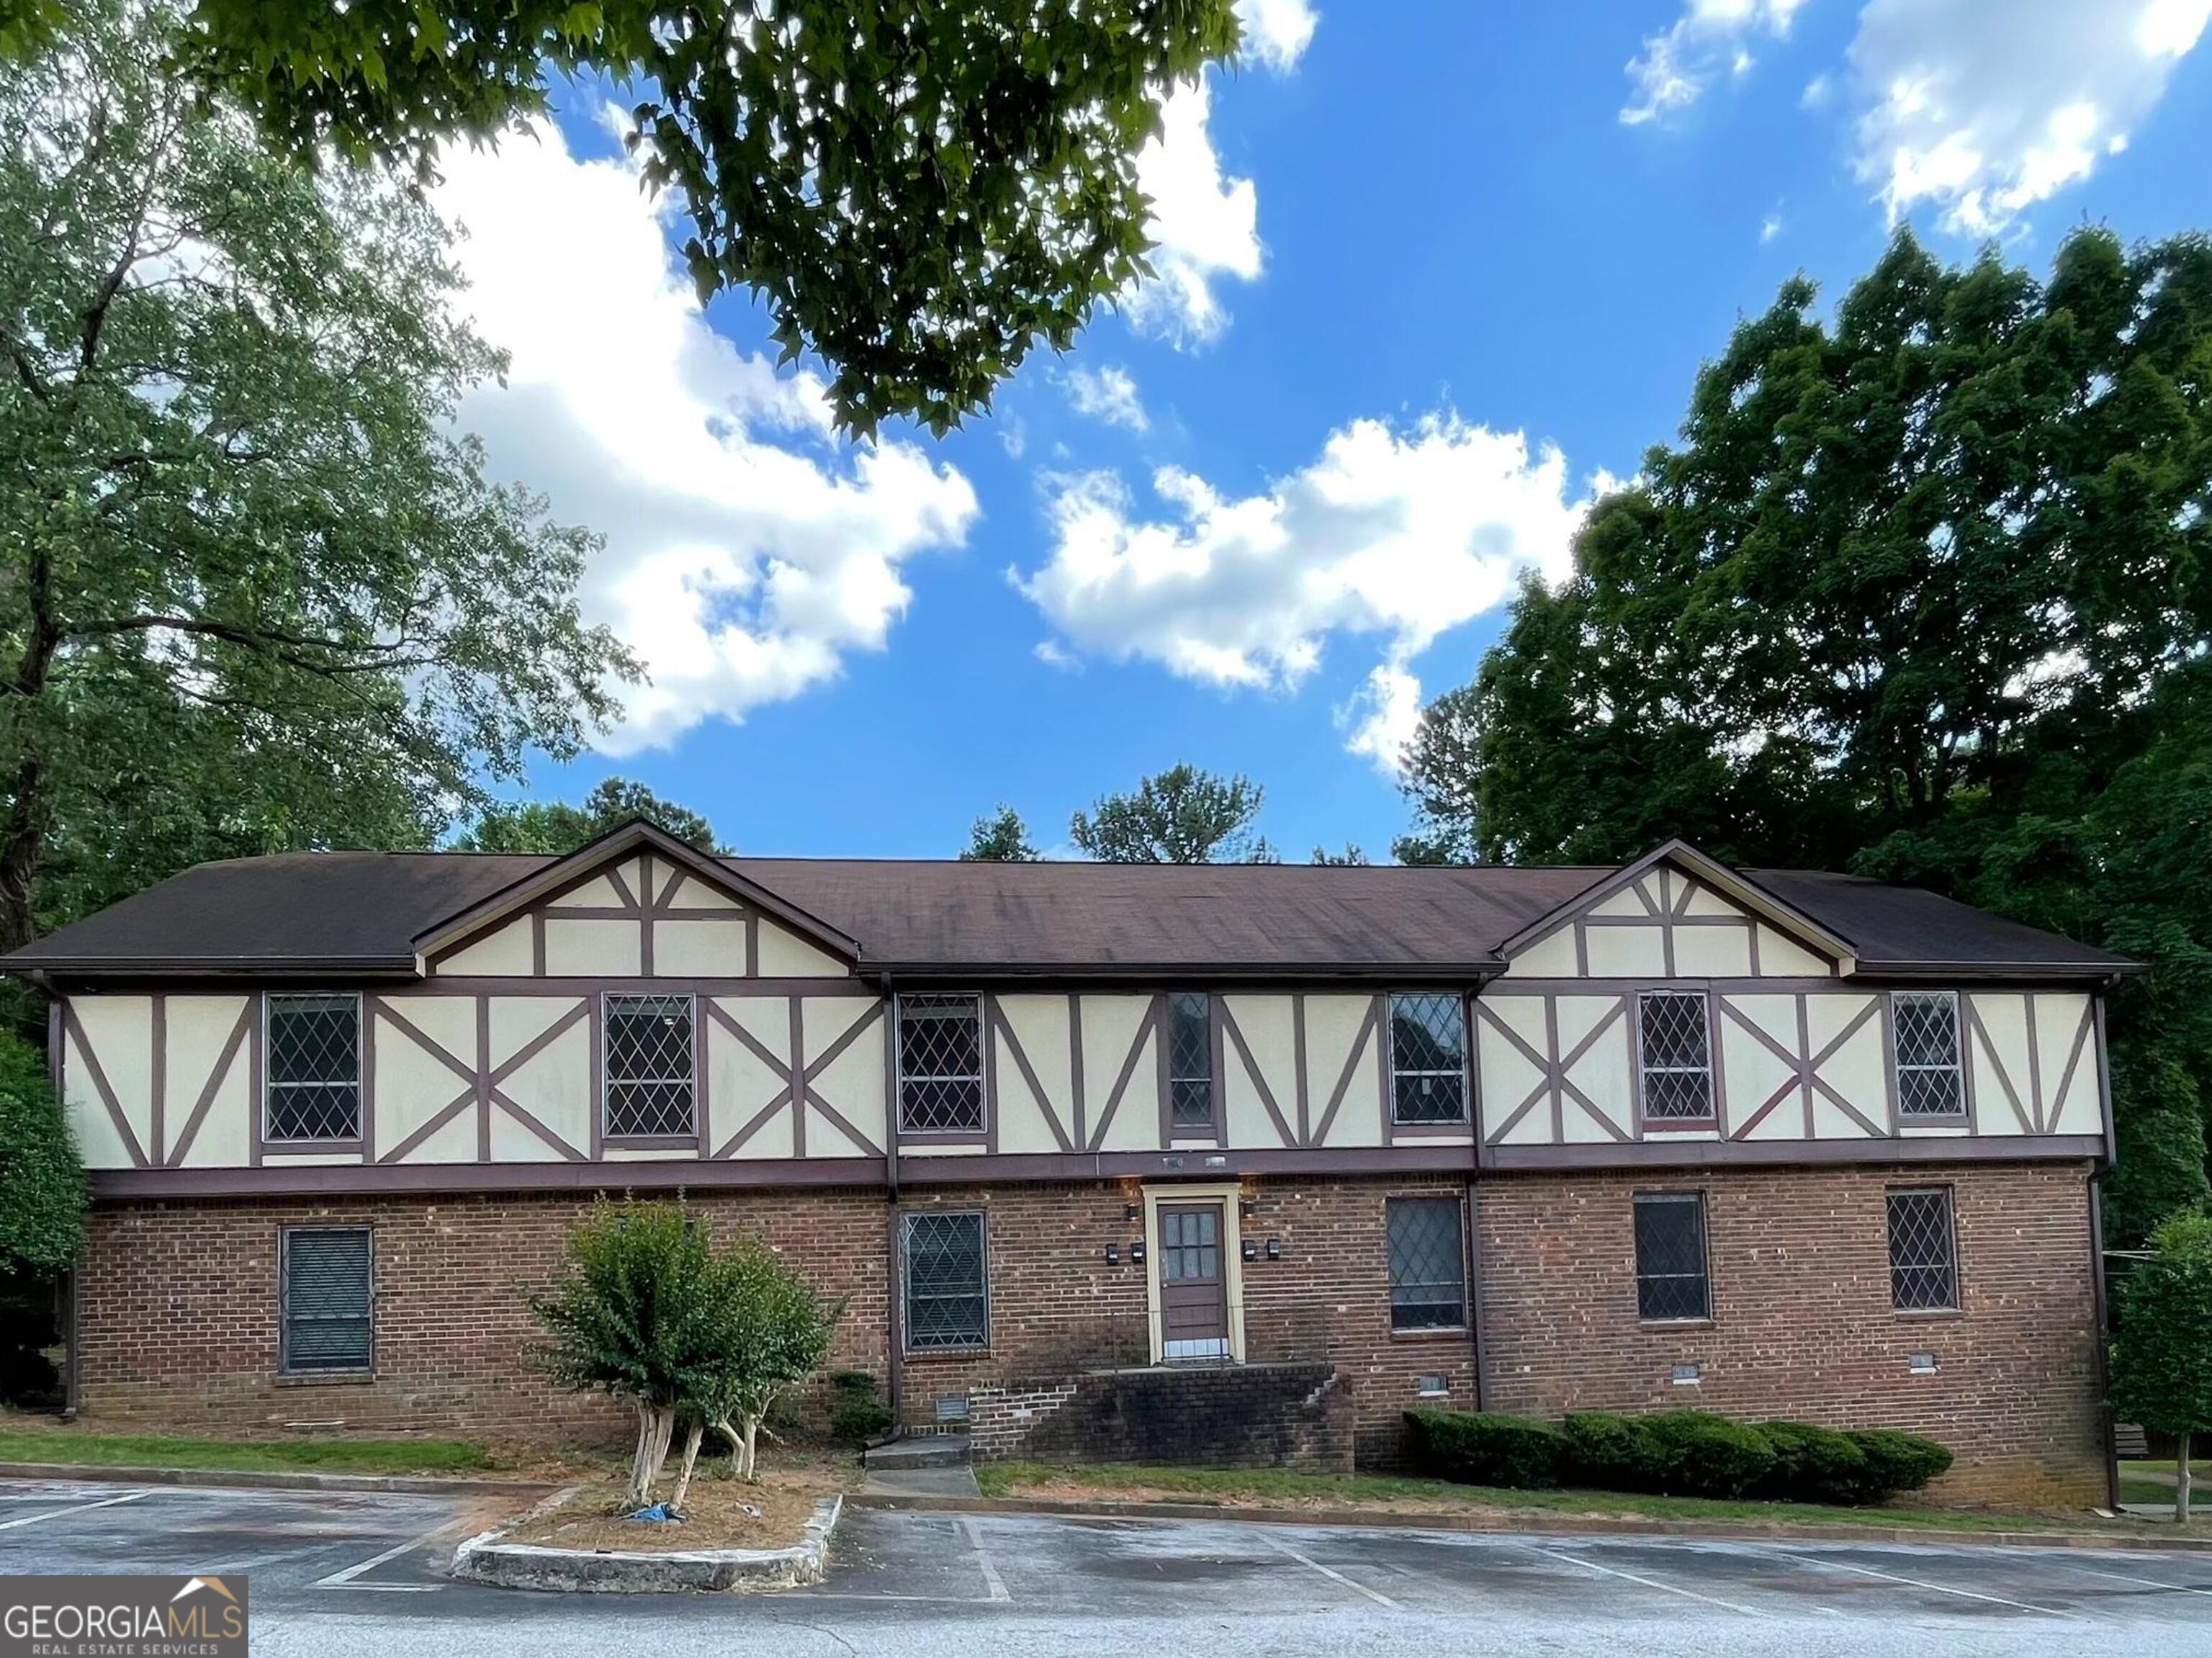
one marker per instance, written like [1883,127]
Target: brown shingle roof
[360,912]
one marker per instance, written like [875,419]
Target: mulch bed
[720,1513]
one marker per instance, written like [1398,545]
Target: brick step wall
[1228,1416]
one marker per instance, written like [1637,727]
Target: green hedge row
[1674,1453]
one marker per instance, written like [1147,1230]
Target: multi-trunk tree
[1924,590]
[255,591]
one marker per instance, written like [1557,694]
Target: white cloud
[1108,394]
[1769,227]
[1382,717]
[1393,532]
[1711,38]
[1206,224]
[1981,121]
[1276,32]
[747,550]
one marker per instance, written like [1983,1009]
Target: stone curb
[484,1560]
[1540,1525]
[275,1480]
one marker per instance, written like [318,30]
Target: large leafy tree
[1925,591]
[1000,837]
[1183,815]
[256,592]
[918,190]
[2160,1377]
[558,826]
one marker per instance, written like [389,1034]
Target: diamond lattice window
[314,1068]
[941,1063]
[1428,1059]
[1428,1264]
[650,1068]
[1678,1072]
[1671,1279]
[947,1300]
[1929,1079]
[1190,1059]
[323,1294]
[1923,1266]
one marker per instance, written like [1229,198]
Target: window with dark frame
[1924,1258]
[652,1067]
[1677,1055]
[1428,1264]
[1428,1058]
[947,1286]
[940,1040]
[312,1050]
[1672,1278]
[324,1300]
[1924,1027]
[1190,1059]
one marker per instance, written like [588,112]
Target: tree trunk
[751,1473]
[23,833]
[2181,1483]
[691,1462]
[656,1424]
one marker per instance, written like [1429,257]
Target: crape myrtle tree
[776,1333]
[1924,590]
[255,591]
[2161,1371]
[917,191]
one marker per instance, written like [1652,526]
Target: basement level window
[324,1300]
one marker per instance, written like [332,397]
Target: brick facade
[178,1324]
[1802,1323]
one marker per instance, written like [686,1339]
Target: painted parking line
[1934,1588]
[1334,1576]
[993,1583]
[347,1578]
[80,1507]
[2124,1577]
[1648,1582]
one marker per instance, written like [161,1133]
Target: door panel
[1193,1283]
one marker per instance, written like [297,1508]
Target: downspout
[2108,1427]
[1475,1318]
[893,1291]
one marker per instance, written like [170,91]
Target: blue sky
[1430,274]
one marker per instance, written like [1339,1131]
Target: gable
[636,904]
[1675,914]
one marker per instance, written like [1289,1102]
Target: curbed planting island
[497,1557]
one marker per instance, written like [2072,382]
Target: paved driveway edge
[1538,1525]
[275,1480]
[484,1560]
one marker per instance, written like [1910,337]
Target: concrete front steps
[928,1465]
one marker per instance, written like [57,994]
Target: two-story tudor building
[1198,1161]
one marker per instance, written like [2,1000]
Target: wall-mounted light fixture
[1246,1206]
[1274,1249]
[1130,1211]
[1137,1249]
[1113,1254]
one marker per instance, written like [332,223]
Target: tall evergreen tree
[1923,592]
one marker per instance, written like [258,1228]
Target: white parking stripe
[992,1582]
[1648,1582]
[343,1580]
[1311,1564]
[1938,1588]
[58,1514]
[2146,1582]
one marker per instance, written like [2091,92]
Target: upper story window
[1677,1053]
[314,1068]
[651,1067]
[1931,1082]
[940,1043]
[1428,1059]
[1190,1060]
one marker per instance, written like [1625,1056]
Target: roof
[363,912]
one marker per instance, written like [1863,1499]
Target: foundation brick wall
[178,1327]
[1802,1326]
[1242,1416]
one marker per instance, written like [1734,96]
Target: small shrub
[1697,1454]
[857,1417]
[1610,1453]
[1897,1461]
[1485,1448]
[1813,1464]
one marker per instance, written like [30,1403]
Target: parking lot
[337,1575]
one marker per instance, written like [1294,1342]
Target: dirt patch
[720,1513]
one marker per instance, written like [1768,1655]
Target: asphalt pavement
[336,1574]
